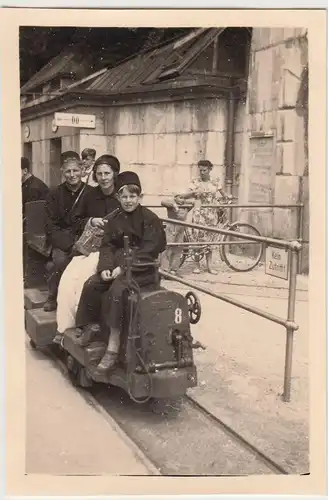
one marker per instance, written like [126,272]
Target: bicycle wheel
[185,251]
[244,255]
[222,237]
[195,254]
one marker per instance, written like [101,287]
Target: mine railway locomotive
[156,354]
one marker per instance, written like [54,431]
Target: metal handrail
[262,239]
[289,324]
[224,298]
[206,243]
[231,205]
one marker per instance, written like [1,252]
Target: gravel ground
[241,372]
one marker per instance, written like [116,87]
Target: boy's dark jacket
[146,238]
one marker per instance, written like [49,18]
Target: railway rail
[185,441]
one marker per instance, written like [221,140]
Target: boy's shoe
[88,334]
[108,361]
[100,372]
[58,339]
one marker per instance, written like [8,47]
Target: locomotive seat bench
[35,221]
[37,250]
[42,325]
[34,298]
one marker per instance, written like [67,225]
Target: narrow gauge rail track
[187,441]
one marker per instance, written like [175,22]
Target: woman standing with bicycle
[205,191]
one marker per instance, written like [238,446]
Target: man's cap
[127,178]
[25,163]
[69,155]
[110,160]
[70,163]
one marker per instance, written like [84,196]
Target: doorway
[55,152]
[27,152]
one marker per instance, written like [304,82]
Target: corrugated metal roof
[149,68]
[163,67]
[69,61]
[57,65]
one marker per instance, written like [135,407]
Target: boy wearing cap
[60,206]
[88,157]
[146,239]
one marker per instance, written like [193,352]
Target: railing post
[291,326]
[300,224]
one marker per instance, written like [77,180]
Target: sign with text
[75,120]
[261,169]
[276,262]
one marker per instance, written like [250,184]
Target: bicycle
[251,252]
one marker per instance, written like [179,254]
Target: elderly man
[88,156]
[60,208]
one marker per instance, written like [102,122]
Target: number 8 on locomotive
[178,316]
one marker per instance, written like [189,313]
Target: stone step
[34,298]
[41,326]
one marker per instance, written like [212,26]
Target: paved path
[65,435]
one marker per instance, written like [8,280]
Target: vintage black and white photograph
[165,227]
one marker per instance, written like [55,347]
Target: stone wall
[161,142]
[273,160]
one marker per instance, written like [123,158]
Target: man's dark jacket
[33,189]
[59,215]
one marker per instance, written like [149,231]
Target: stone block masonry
[161,141]
[277,60]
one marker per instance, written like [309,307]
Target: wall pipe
[230,148]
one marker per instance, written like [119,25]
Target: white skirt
[70,288]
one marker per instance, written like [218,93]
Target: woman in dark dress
[95,206]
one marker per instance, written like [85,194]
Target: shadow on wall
[302,108]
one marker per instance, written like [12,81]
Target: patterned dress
[205,193]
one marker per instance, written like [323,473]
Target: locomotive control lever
[198,345]
[194,345]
